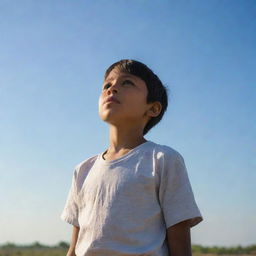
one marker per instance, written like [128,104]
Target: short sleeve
[175,193]
[70,211]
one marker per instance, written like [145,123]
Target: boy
[134,198]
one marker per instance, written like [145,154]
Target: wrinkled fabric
[124,206]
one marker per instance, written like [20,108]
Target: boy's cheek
[100,102]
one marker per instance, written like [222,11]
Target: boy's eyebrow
[124,76]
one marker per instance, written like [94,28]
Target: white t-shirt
[124,206]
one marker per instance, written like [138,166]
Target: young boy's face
[131,93]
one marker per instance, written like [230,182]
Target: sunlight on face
[131,93]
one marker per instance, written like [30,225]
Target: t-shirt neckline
[128,154]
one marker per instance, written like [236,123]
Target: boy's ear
[155,109]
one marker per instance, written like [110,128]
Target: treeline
[35,245]
[251,249]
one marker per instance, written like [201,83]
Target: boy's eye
[124,82]
[127,82]
[106,86]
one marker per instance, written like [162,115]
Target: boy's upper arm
[70,211]
[175,192]
[75,233]
[179,239]
[72,247]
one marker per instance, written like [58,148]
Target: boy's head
[143,84]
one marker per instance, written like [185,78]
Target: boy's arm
[71,250]
[179,240]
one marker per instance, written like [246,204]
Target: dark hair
[156,90]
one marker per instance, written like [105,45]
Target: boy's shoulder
[163,150]
[87,161]
[85,165]
[159,150]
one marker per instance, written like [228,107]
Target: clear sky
[53,55]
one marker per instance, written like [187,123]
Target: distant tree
[8,245]
[63,244]
[36,244]
[196,248]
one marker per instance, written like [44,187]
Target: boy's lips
[111,99]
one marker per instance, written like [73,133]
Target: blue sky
[53,57]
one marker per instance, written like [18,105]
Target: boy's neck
[124,139]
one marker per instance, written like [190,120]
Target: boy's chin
[111,120]
[106,118]
[109,117]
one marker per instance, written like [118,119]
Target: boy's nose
[112,88]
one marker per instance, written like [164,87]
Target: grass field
[62,252]
[33,252]
[37,249]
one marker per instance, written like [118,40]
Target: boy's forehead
[115,73]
